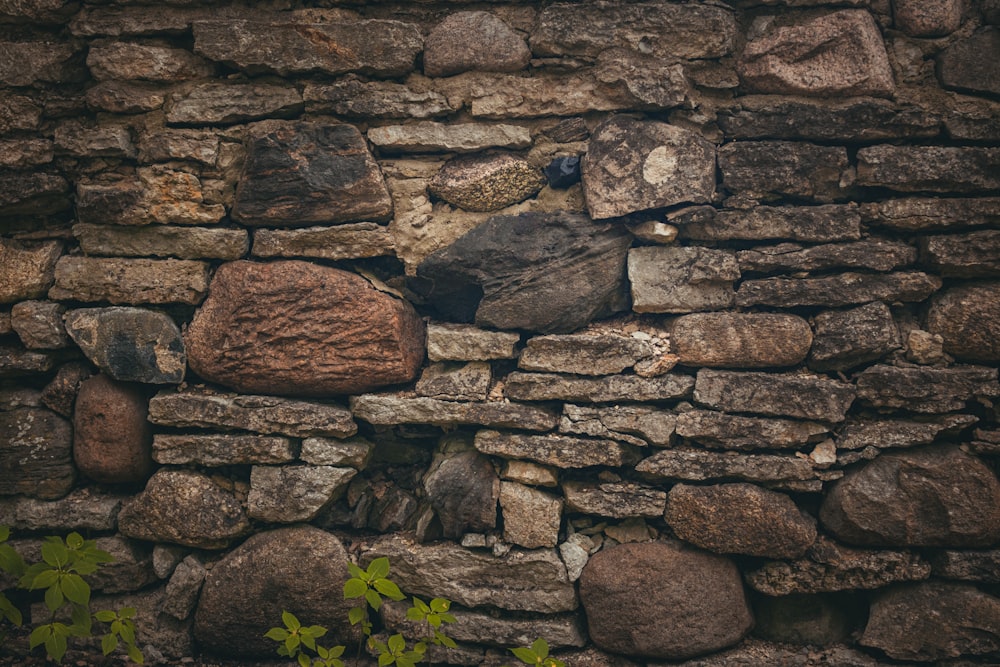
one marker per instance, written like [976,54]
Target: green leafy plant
[537,654]
[61,575]
[295,637]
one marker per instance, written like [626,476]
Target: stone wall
[666,331]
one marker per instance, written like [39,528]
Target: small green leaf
[355,615]
[540,648]
[440,605]
[81,620]
[135,655]
[109,643]
[277,634]
[9,611]
[288,618]
[335,651]
[315,631]
[106,616]
[53,598]
[525,655]
[127,612]
[74,540]
[385,659]
[373,599]
[292,644]
[303,660]
[55,646]
[414,614]
[446,640]
[44,579]
[421,605]
[388,589]
[40,635]
[55,553]
[128,632]
[356,571]
[378,568]
[396,643]
[354,588]
[4,533]
[75,589]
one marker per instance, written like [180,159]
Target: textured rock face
[486,182]
[724,431]
[37,453]
[130,344]
[473,41]
[927,497]
[299,174]
[300,569]
[782,395]
[338,335]
[751,340]
[928,390]
[928,18]
[847,338]
[636,165]
[26,271]
[663,601]
[930,168]
[289,494]
[130,281]
[968,319]
[112,441]
[525,272]
[681,279]
[961,67]
[464,490]
[531,516]
[770,170]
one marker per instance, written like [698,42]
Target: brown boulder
[927,18]
[467,41]
[112,441]
[486,182]
[740,340]
[968,319]
[27,271]
[301,329]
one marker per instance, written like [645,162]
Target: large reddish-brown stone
[112,441]
[300,329]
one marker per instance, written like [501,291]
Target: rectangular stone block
[583,354]
[162,241]
[928,390]
[695,465]
[608,389]
[560,451]
[931,213]
[635,424]
[681,279]
[967,169]
[392,410]
[873,254]
[616,501]
[971,255]
[464,342]
[719,430]
[352,98]
[770,170]
[130,281]
[811,397]
[216,103]
[347,241]
[813,224]
[842,289]
[427,136]
[222,450]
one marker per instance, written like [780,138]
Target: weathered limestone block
[207,147]
[980,565]
[222,450]
[561,451]
[353,452]
[217,103]
[665,30]
[933,621]
[719,430]
[302,329]
[302,173]
[427,136]
[655,83]
[123,21]
[768,170]
[853,119]
[34,193]
[27,271]
[131,61]
[739,519]
[827,55]
[160,194]
[463,488]
[40,11]
[289,494]
[37,457]
[162,241]
[544,272]
[527,580]
[923,497]
[130,281]
[873,254]
[848,338]
[260,414]
[812,224]
[529,473]
[583,354]
[183,507]
[278,570]
[928,390]
[970,255]
[343,241]
[610,389]
[473,40]
[486,182]
[531,518]
[39,324]
[830,567]
[461,342]
[967,317]
[130,344]
[25,153]
[112,440]
[892,433]
[614,500]
[18,112]
[24,63]
[455,381]
[782,395]
[296,46]
[635,165]
[354,98]
[126,97]
[953,169]
[83,509]
[696,465]
[385,409]
[681,279]
[843,289]
[914,214]
[634,424]
[962,65]
[740,340]
[663,600]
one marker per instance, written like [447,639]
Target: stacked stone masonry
[666,331]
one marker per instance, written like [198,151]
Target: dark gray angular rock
[843,289]
[928,390]
[82,509]
[353,98]
[294,493]
[300,569]
[40,11]
[770,170]
[740,340]
[936,496]
[967,317]
[486,182]
[217,103]
[15,361]
[473,40]
[873,254]
[25,63]
[970,255]
[561,451]
[812,224]
[933,621]
[464,491]
[183,507]
[779,394]
[18,112]
[36,456]
[35,193]
[893,433]
[112,440]
[614,500]
[130,344]
[739,519]
[719,430]
[610,389]
[59,394]
[809,620]
[545,272]
[848,338]
[299,174]
[681,279]
[951,169]
[962,66]
[663,600]
[634,165]
[932,213]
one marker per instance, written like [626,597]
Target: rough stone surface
[128,60]
[455,381]
[37,458]
[181,592]
[771,170]
[464,490]
[162,241]
[889,433]
[927,19]
[971,255]
[635,165]
[583,354]
[387,409]
[719,430]
[473,40]
[130,281]
[928,390]
[23,63]
[954,169]
[16,361]
[561,451]
[923,497]
[610,389]
[663,600]
[260,414]
[289,494]
[782,395]
[60,394]
[681,279]
[932,621]
[300,174]
[531,517]
[183,507]
[39,324]
[810,620]
[27,271]
[344,241]
[740,340]
[130,344]
[739,519]
[873,254]
[459,138]
[848,338]
[461,342]
[157,194]
[982,565]
[125,97]
[354,98]
[833,54]
[486,182]
[529,272]
[843,289]
[112,441]
[300,569]
[635,424]
[967,317]
[83,509]
[229,103]
[962,66]
[813,224]
[353,452]
[302,329]
[221,450]
[696,465]
[614,500]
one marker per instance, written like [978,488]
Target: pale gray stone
[812,224]
[681,279]
[575,555]
[221,449]
[842,289]
[288,494]
[455,381]
[162,241]
[427,136]
[560,451]
[696,465]
[609,389]
[927,390]
[216,103]
[131,569]
[614,500]
[353,452]
[464,342]
[531,517]
[874,254]
[166,558]
[130,281]
[82,509]
[811,397]
[39,324]
[384,409]
[583,354]
[724,431]
[181,594]
[347,241]
[634,424]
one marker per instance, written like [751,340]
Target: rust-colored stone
[112,441]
